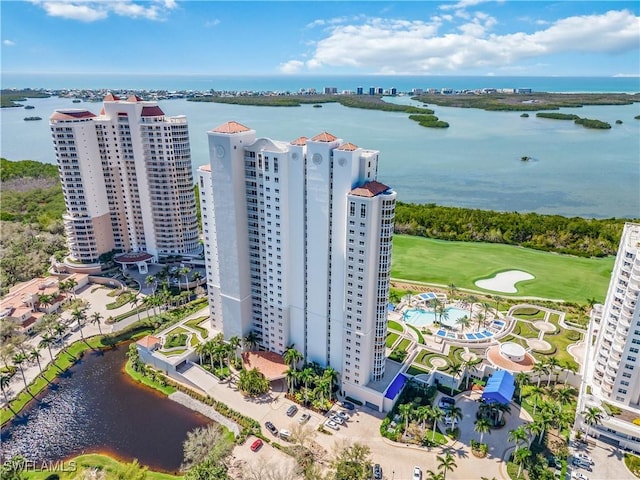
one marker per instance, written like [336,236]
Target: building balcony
[607,388]
[614,364]
[619,348]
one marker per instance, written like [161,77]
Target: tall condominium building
[298,248]
[612,369]
[127,180]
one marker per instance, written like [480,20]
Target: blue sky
[469,37]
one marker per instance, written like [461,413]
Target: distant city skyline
[468,37]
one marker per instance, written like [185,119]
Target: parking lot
[608,461]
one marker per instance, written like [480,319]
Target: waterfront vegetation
[429,121]
[570,278]
[585,122]
[529,102]
[12,98]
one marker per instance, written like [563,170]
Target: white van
[285,434]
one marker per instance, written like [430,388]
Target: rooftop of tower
[348,147]
[300,141]
[71,114]
[324,137]
[632,233]
[369,189]
[231,127]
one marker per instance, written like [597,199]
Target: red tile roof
[110,97]
[231,127]
[370,189]
[148,342]
[134,98]
[154,111]
[71,114]
[270,364]
[300,141]
[324,137]
[206,168]
[349,147]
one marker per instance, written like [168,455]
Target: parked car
[304,418]
[292,410]
[377,472]
[255,446]
[348,405]
[584,457]
[332,425]
[579,475]
[446,402]
[337,419]
[343,415]
[448,420]
[576,462]
[285,434]
[417,473]
[272,428]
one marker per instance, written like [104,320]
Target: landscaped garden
[312,386]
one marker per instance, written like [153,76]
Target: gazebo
[499,388]
[138,259]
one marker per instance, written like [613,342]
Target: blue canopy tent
[499,388]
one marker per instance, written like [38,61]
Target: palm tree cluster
[493,412]
[311,382]
[218,352]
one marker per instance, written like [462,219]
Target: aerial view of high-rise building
[127,180]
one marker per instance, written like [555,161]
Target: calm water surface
[96,407]
[475,163]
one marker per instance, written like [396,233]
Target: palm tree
[79,316]
[250,340]
[63,288]
[196,276]
[482,426]
[519,457]
[454,413]
[95,320]
[405,412]
[517,436]
[452,290]
[446,463]
[184,271]
[134,301]
[569,367]
[291,376]
[235,343]
[306,376]
[539,368]
[5,380]
[521,379]
[431,475]
[486,306]
[536,428]
[34,354]
[291,357]
[498,300]
[443,312]
[18,359]
[72,283]
[464,322]
[470,366]
[470,299]
[552,365]
[436,414]
[592,416]
[45,300]
[150,280]
[454,369]
[201,350]
[536,393]
[423,413]
[332,376]
[481,318]
[60,331]
[46,341]
[564,395]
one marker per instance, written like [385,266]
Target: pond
[95,407]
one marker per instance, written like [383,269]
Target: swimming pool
[425,318]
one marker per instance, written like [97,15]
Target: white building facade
[298,244]
[127,180]
[612,369]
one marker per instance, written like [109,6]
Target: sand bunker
[504,282]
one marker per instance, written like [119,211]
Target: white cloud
[212,23]
[91,10]
[292,66]
[462,4]
[402,46]
[8,43]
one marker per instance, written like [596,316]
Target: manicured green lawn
[96,461]
[391,325]
[572,279]
[195,324]
[391,339]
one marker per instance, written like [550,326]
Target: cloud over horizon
[91,10]
[439,45]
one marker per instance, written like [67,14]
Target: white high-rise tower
[298,246]
[127,180]
[612,369]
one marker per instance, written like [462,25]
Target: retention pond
[95,407]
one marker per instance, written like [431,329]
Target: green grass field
[563,277]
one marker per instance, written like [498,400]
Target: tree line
[585,237]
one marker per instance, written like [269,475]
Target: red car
[255,446]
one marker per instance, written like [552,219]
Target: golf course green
[560,277]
